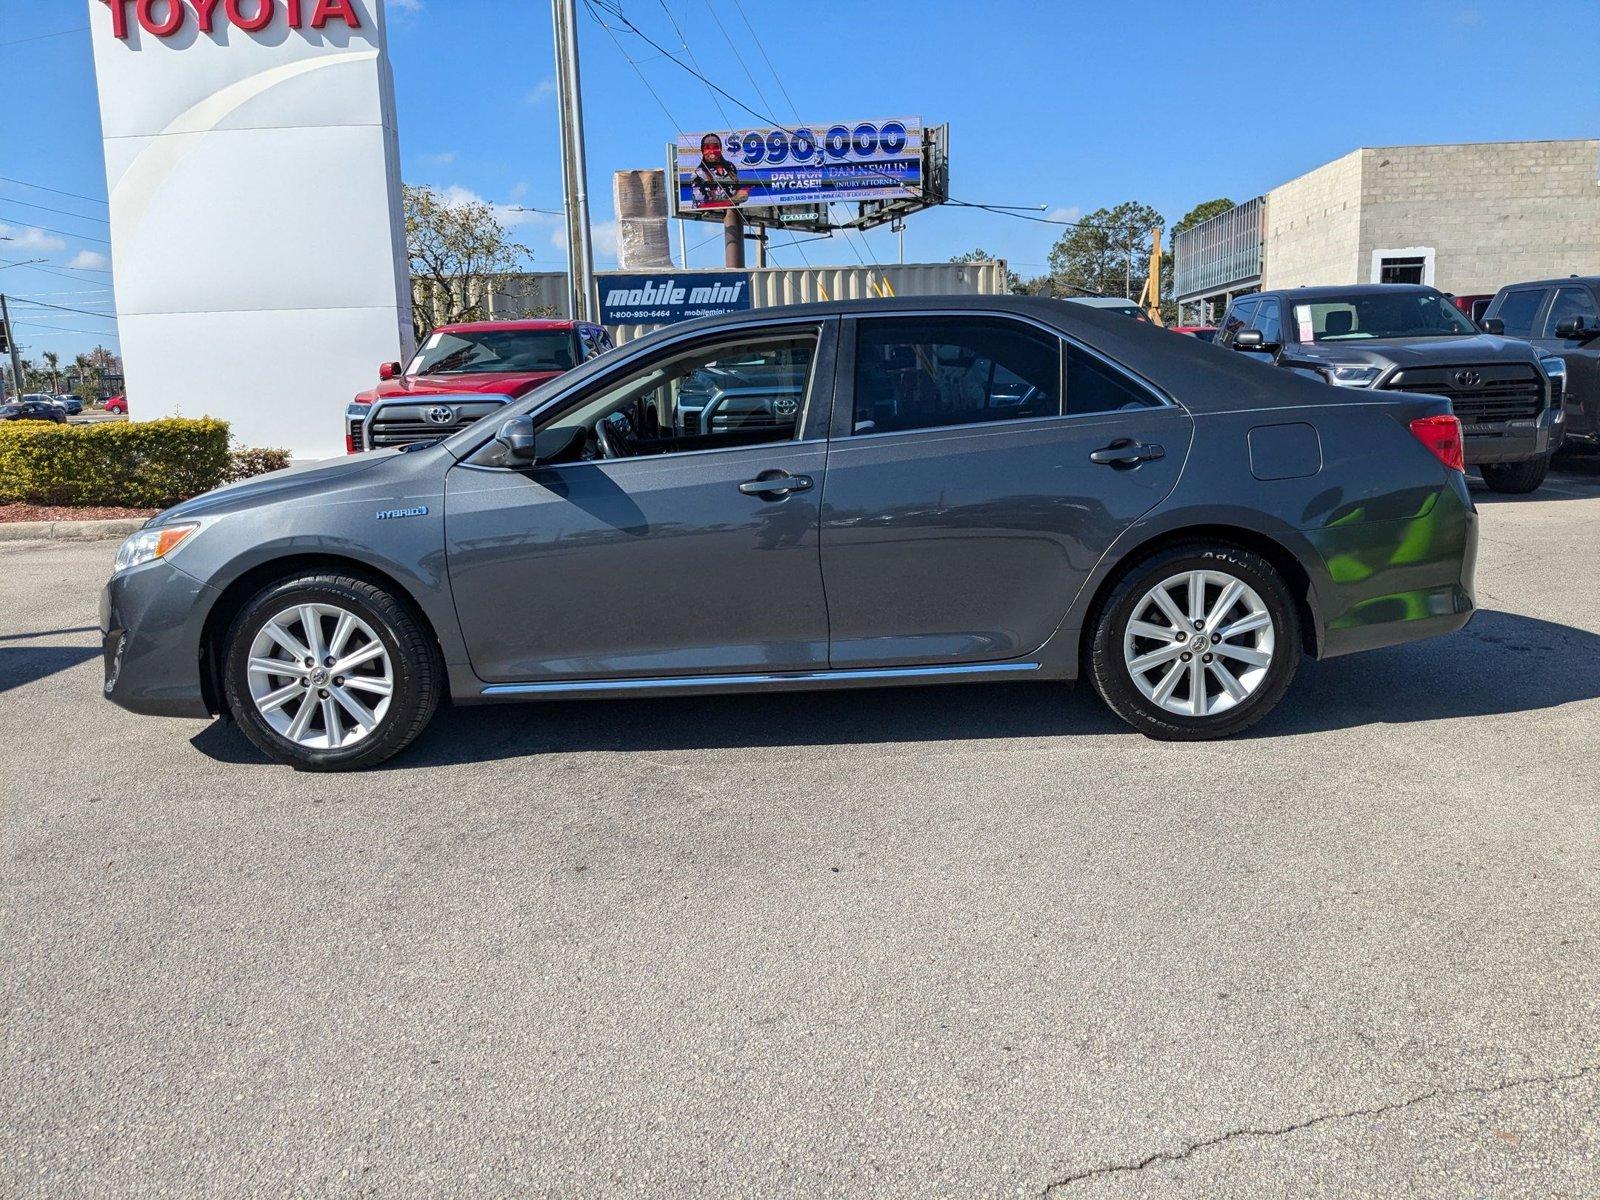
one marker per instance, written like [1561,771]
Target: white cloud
[36,240]
[541,91]
[440,160]
[406,6]
[1070,212]
[89,260]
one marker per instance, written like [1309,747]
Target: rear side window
[1094,387]
[1570,302]
[1518,309]
[924,372]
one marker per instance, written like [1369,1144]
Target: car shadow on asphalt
[1502,663]
[1572,477]
[21,665]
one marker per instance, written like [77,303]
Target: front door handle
[775,484]
[1125,452]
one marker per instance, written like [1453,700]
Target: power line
[94,333]
[737,54]
[795,108]
[684,42]
[616,41]
[39,37]
[82,237]
[63,308]
[39,187]
[58,211]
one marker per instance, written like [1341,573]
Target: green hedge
[133,464]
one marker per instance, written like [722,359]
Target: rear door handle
[1125,452]
[775,483]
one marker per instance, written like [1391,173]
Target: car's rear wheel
[330,673]
[1516,479]
[1197,641]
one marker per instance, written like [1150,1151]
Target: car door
[964,506]
[1581,354]
[695,554]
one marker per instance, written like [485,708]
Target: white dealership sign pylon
[257,235]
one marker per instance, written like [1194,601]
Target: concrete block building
[1464,218]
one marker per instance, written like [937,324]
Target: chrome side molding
[887,674]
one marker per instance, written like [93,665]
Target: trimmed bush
[256,460]
[133,464]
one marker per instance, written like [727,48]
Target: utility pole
[574,167]
[11,341]
[733,238]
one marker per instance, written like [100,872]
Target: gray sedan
[921,490]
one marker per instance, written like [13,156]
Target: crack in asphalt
[1177,1156]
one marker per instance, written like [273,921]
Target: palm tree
[53,361]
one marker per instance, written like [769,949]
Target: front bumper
[151,621]
[1514,441]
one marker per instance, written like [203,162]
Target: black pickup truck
[1410,338]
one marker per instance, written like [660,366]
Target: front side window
[1518,309]
[1367,318]
[922,372]
[732,393]
[1571,302]
[1239,315]
[495,350]
[1269,321]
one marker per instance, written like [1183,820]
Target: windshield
[495,350]
[1365,318]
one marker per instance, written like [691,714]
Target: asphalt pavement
[928,942]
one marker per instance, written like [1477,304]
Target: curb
[69,531]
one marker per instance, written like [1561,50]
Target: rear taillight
[1442,436]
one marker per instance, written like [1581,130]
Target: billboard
[807,165]
[670,296]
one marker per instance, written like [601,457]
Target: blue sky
[1066,104]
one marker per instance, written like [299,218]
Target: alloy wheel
[320,676]
[1199,643]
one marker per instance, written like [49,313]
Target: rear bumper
[151,619]
[1514,441]
[1399,581]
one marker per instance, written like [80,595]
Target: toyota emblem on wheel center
[440,414]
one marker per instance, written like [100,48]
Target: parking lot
[943,941]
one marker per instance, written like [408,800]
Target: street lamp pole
[574,168]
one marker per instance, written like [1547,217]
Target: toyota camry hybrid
[856,494]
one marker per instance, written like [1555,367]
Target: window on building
[921,372]
[1401,270]
[1518,310]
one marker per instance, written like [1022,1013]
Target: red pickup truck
[503,358]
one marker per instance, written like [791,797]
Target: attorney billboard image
[868,160]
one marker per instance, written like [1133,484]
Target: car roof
[1101,301]
[557,324]
[1346,292]
[1197,374]
[1591,280]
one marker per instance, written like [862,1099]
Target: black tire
[1516,479]
[1110,673]
[416,670]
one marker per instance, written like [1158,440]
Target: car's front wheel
[1197,641]
[330,672]
[1517,478]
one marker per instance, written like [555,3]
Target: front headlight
[1556,369]
[150,544]
[1355,376]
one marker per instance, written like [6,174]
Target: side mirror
[1494,325]
[1254,339]
[516,435]
[389,370]
[1570,327]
